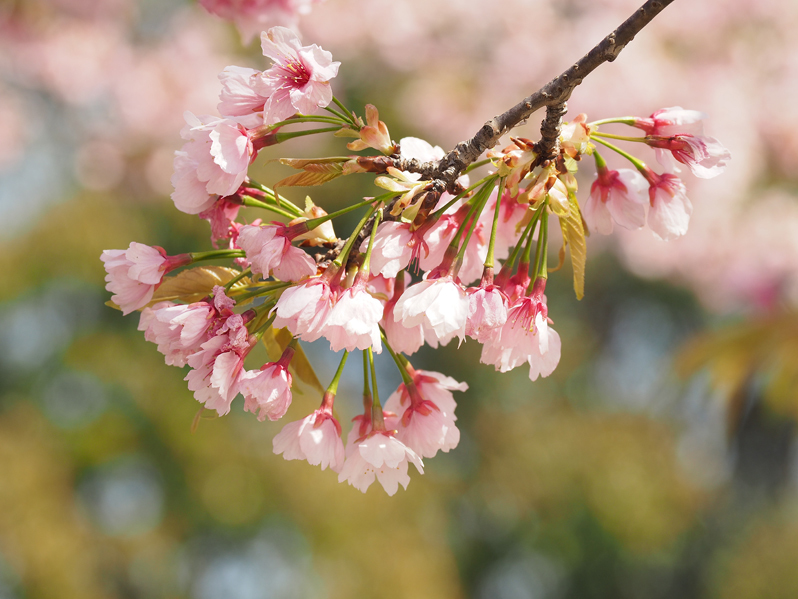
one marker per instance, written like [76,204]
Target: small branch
[549,145]
[555,93]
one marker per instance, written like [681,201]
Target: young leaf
[315,173]
[302,163]
[195,283]
[574,236]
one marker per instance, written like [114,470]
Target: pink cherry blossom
[267,390]
[270,252]
[423,426]
[672,121]
[178,330]
[616,196]
[239,95]
[214,160]
[439,305]
[221,216]
[353,323]
[217,368]
[437,387]
[134,273]
[393,247]
[705,156]
[487,311]
[304,308]
[382,456]
[404,340]
[316,438]
[669,214]
[299,80]
[525,337]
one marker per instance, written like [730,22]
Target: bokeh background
[658,461]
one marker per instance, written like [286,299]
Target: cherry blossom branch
[553,96]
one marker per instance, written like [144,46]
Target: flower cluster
[423,266]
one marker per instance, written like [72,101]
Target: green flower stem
[626,120]
[399,360]
[364,270]
[366,387]
[215,254]
[273,195]
[518,246]
[320,118]
[259,290]
[346,111]
[333,388]
[438,213]
[250,201]
[542,250]
[475,165]
[338,114]
[281,137]
[344,255]
[638,164]
[237,278]
[495,226]
[260,329]
[470,221]
[315,222]
[621,137]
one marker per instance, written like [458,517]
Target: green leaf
[315,173]
[194,284]
[574,236]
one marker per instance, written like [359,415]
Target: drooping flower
[134,273]
[705,156]
[672,121]
[299,80]
[217,368]
[487,311]
[379,456]
[316,438]
[178,330]
[616,196]
[353,323]
[439,305]
[404,340]
[304,308]
[669,214]
[525,337]
[270,252]
[268,390]
[423,425]
[221,216]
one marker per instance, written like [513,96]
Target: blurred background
[658,461]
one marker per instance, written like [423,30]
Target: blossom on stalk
[615,196]
[299,80]
[221,216]
[213,161]
[239,95]
[669,214]
[381,456]
[134,273]
[672,121]
[217,368]
[403,340]
[487,311]
[353,323]
[525,337]
[269,389]
[423,425]
[270,252]
[439,305]
[316,438]
[178,330]
[304,308]
[705,156]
